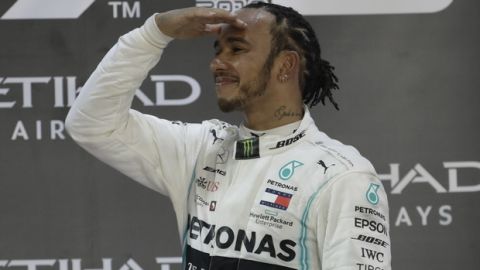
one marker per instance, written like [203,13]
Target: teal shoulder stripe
[304,262]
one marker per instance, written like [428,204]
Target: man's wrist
[154,34]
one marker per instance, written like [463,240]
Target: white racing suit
[301,201]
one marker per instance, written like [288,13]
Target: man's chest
[255,208]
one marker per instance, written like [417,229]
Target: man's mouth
[225,79]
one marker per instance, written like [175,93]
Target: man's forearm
[105,99]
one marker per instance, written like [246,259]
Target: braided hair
[292,32]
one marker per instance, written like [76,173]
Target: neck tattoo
[283,112]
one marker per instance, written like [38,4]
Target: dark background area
[409,97]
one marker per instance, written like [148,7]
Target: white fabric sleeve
[157,153]
[353,226]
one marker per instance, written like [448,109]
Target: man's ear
[288,65]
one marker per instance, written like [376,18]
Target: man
[274,193]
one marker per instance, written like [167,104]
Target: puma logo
[321,163]
[215,138]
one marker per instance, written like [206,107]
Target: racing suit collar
[284,130]
[282,138]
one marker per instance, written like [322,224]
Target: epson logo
[342,7]
[225,237]
[371,225]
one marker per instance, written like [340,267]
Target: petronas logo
[288,169]
[247,149]
[372,196]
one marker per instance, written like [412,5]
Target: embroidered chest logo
[222,156]
[276,199]
[215,138]
[287,170]
[289,141]
[248,148]
[321,163]
[372,196]
[207,185]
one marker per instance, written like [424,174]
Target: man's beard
[248,90]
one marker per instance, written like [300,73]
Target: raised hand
[195,22]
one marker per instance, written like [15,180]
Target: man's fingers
[235,22]
[213,28]
[239,24]
[194,22]
[217,16]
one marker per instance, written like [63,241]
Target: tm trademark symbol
[125,9]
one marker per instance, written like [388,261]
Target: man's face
[239,67]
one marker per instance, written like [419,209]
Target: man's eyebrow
[237,39]
[216,44]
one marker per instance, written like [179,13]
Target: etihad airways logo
[419,175]
[64,90]
[341,7]
[61,92]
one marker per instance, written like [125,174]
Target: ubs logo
[207,185]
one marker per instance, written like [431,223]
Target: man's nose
[217,64]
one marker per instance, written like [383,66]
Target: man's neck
[268,117]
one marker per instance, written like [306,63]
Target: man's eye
[236,50]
